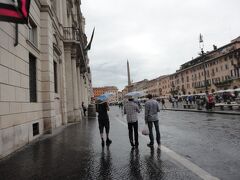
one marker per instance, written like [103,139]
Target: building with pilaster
[44,72]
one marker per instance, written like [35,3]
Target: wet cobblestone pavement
[76,153]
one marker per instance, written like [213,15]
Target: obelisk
[128,71]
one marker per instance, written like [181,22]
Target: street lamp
[201,46]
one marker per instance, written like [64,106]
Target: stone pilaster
[69,83]
[79,90]
[75,90]
[47,85]
[82,88]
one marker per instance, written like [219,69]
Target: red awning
[14,11]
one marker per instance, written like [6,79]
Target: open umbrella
[135,94]
[238,89]
[104,97]
[220,91]
[229,90]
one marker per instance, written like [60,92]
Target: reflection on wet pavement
[76,153]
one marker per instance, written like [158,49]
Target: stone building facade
[152,87]
[164,86]
[44,73]
[221,67]
[140,85]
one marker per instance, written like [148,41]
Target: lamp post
[201,46]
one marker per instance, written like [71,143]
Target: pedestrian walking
[163,103]
[176,101]
[103,121]
[84,109]
[172,100]
[131,109]
[209,101]
[151,117]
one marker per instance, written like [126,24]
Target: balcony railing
[224,83]
[71,34]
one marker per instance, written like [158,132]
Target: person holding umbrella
[102,109]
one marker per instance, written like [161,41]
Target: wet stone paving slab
[76,153]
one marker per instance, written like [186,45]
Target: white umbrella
[221,91]
[135,94]
[104,97]
[238,89]
[229,90]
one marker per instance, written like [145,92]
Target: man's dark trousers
[132,126]
[150,125]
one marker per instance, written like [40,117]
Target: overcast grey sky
[156,36]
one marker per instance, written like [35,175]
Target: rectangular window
[32,78]
[32,32]
[35,127]
[55,69]
[226,66]
[208,73]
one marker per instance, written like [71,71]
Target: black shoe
[150,145]
[108,142]
[132,144]
[103,143]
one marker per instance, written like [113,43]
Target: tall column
[63,86]
[69,83]
[63,93]
[79,91]
[75,90]
[82,88]
[86,90]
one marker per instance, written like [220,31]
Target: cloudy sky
[156,36]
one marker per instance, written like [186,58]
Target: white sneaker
[159,146]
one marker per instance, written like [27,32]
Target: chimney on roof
[214,47]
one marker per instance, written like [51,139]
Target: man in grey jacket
[131,109]
[151,117]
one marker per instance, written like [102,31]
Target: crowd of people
[203,100]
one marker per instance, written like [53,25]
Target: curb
[211,112]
